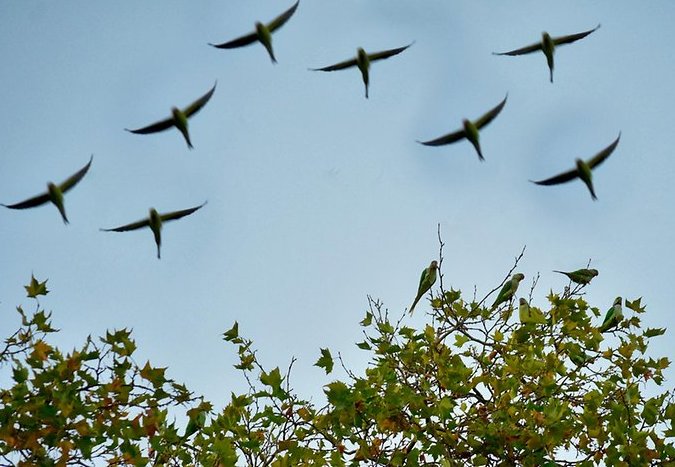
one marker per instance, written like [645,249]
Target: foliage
[473,387]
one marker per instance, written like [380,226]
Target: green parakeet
[54,193]
[613,317]
[580,276]
[262,33]
[548,45]
[508,290]
[363,61]
[530,315]
[155,221]
[582,170]
[469,131]
[179,118]
[427,279]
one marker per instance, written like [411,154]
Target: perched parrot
[262,33]
[548,45]
[530,315]
[469,130]
[508,290]
[54,193]
[613,317]
[155,221]
[427,279]
[363,61]
[582,170]
[581,276]
[179,118]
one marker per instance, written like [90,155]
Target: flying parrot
[262,33]
[548,45]
[54,193]
[179,118]
[363,61]
[469,130]
[581,276]
[508,290]
[155,221]
[427,279]
[613,317]
[582,170]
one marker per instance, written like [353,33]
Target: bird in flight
[155,221]
[262,33]
[54,193]
[363,61]
[469,130]
[179,118]
[548,45]
[583,169]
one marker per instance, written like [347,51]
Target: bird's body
[548,45]
[508,290]
[262,33]
[155,221]
[583,170]
[613,316]
[178,119]
[530,315]
[362,61]
[54,193]
[469,130]
[580,276]
[427,279]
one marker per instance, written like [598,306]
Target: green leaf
[36,288]
[363,345]
[365,322]
[325,361]
[272,379]
[653,332]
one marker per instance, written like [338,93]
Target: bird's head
[259,28]
[594,272]
[522,301]
[519,276]
[617,301]
[433,265]
[175,111]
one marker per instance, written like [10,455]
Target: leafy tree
[475,386]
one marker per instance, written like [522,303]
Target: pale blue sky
[317,196]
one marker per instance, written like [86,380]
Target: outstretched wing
[197,105]
[338,66]
[29,203]
[132,226]
[522,51]
[572,37]
[238,42]
[76,177]
[170,216]
[387,53]
[560,178]
[154,128]
[488,117]
[445,139]
[280,20]
[600,157]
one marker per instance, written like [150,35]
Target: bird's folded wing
[197,105]
[279,21]
[76,177]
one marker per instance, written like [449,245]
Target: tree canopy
[477,385]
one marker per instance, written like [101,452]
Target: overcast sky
[316,196]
